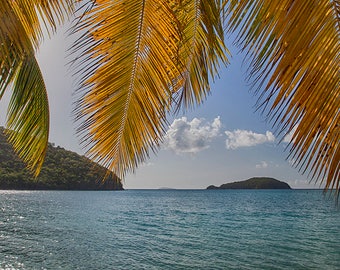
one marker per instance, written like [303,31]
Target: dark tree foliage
[254,183]
[62,170]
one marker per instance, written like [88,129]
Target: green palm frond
[28,115]
[31,15]
[294,47]
[202,48]
[20,35]
[14,44]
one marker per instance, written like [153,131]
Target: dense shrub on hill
[254,183]
[62,169]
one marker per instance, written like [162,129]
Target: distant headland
[62,170]
[254,183]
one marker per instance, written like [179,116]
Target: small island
[62,170]
[254,183]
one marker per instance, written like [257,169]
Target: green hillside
[62,170]
[254,183]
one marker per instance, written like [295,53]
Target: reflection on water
[168,229]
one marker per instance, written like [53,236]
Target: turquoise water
[169,229]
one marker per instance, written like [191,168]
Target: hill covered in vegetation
[62,170]
[254,183]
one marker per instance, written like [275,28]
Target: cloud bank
[185,136]
[245,138]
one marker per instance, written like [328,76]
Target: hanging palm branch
[128,51]
[20,36]
[202,48]
[136,56]
[294,50]
[14,44]
[28,115]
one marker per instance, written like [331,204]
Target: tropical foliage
[62,170]
[138,61]
[254,183]
[21,33]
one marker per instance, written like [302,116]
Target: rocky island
[62,170]
[254,183]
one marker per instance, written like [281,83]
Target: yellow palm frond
[137,55]
[128,71]
[28,115]
[202,48]
[294,47]
[31,15]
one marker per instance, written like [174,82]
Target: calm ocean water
[169,229]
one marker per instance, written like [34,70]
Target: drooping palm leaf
[136,55]
[202,48]
[14,44]
[28,115]
[127,68]
[24,18]
[20,36]
[294,47]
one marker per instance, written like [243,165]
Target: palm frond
[21,32]
[14,44]
[31,15]
[294,47]
[128,68]
[137,56]
[28,115]
[20,36]
[202,48]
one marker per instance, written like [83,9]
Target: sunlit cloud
[245,138]
[184,136]
[262,165]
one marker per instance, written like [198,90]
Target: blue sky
[220,141]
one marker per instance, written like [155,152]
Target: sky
[222,140]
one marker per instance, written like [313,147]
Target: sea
[169,229]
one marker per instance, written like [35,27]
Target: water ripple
[168,230]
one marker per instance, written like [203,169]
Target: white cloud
[262,165]
[288,138]
[245,138]
[185,136]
